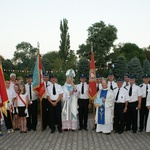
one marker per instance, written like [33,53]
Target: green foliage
[25,56]
[61,77]
[102,36]
[82,68]
[49,61]
[119,67]
[65,40]
[146,67]
[131,50]
[134,67]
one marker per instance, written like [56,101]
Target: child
[8,119]
[15,110]
[22,105]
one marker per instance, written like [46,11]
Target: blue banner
[101,115]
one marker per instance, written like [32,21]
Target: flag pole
[41,118]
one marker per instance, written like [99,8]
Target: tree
[102,36]
[146,67]
[147,52]
[82,68]
[134,67]
[49,60]
[131,50]
[25,56]
[64,47]
[119,67]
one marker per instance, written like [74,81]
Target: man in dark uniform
[54,96]
[121,104]
[99,82]
[145,86]
[83,102]
[134,104]
[126,80]
[111,83]
[45,104]
[33,107]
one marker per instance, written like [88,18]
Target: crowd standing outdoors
[116,105]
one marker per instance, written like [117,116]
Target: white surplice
[109,106]
[70,109]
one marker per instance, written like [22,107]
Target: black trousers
[55,115]
[119,116]
[132,115]
[143,114]
[33,114]
[83,112]
[45,113]
[7,120]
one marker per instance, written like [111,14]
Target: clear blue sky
[39,20]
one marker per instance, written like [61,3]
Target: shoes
[17,129]
[1,133]
[66,130]
[116,131]
[10,131]
[126,129]
[134,131]
[80,128]
[21,131]
[140,130]
[52,131]
[24,131]
[120,132]
[85,129]
[107,133]
[60,130]
[34,129]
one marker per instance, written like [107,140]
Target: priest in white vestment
[104,110]
[148,107]
[70,105]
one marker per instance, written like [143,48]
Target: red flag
[38,82]
[3,93]
[92,78]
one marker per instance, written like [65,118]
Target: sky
[39,21]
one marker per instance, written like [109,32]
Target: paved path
[74,140]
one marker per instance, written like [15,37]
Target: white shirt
[126,84]
[58,89]
[34,96]
[123,95]
[99,86]
[85,94]
[136,92]
[11,94]
[24,98]
[143,88]
[114,85]
[48,84]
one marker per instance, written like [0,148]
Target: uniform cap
[28,76]
[83,76]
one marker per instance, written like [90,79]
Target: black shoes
[120,132]
[52,131]
[60,130]
[140,130]
[85,129]
[80,128]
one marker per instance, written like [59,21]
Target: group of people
[116,104]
